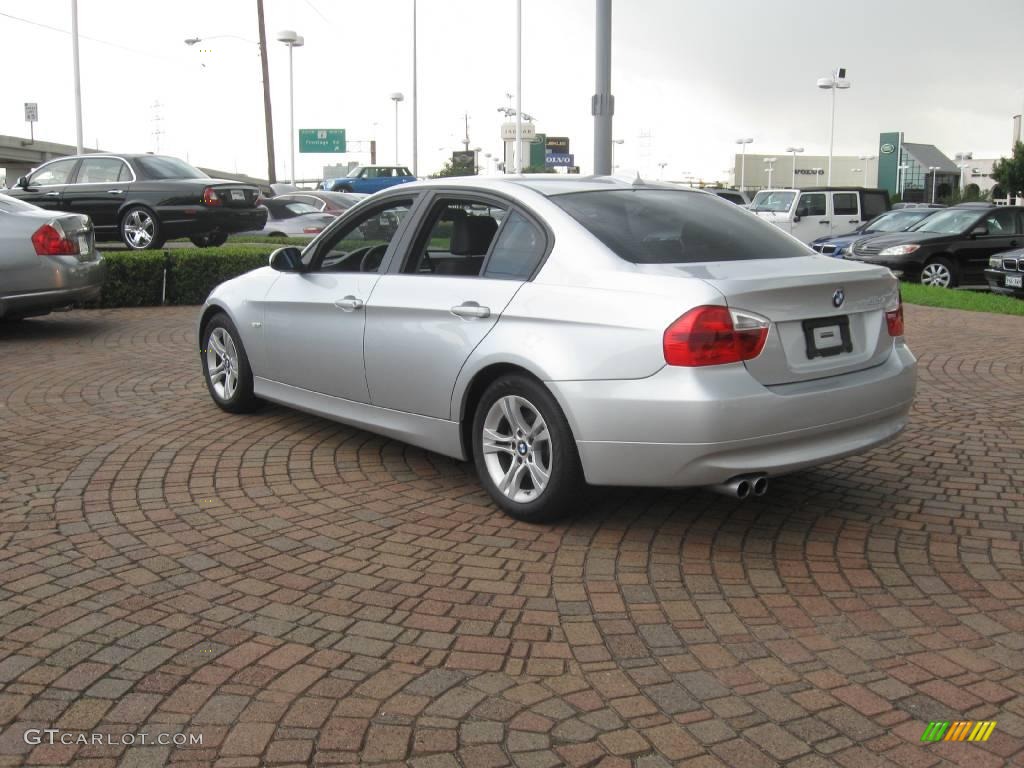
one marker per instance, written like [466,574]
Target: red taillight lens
[894,319]
[312,230]
[210,197]
[48,240]
[713,336]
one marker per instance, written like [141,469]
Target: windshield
[653,226]
[898,221]
[158,167]
[948,222]
[775,202]
[354,172]
[10,204]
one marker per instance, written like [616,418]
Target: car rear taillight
[210,197]
[51,240]
[312,230]
[894,318]
[714,335]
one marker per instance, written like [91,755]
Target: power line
[86,37]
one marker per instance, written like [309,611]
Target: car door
[812,208]
[314,320]
[1002,232]
[47,183]
[846,213]
[99,190]
[431,311]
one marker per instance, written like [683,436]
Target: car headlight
[899,250]
[995,262]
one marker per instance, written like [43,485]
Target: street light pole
[79,144]
[293,41]
[902,180]
[267,117]
[793,151]
[770,162]
[743,163]
[613,143]
[867,160]
[415,103]
[602,105]
[935,175]
[835,82]
[396,97]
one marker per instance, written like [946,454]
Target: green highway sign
[331,140]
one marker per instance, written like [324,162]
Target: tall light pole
[867,160]
[743,163]
[901,173]
[817,173]
[794,151]
[293,41]
[770,162]
[415,103]
[961,161]
[602,105]
[835,82]
[79,145]
[519,87]
[613,143]
[397,98]
[661,169]
[935,175]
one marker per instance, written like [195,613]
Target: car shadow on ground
[52,327]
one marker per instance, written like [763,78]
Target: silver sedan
[566,331]
[48,260]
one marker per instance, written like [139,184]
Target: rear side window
[844,203]
[519,249]
[873,203]
[654,226]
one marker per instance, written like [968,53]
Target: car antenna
[638,182]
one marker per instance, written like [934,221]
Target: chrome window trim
[82,157]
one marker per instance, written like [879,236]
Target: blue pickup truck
[367,179]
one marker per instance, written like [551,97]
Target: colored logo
[887,149]
[961,730]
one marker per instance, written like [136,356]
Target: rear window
[653,226]
[873,203]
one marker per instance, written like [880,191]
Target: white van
[807,214]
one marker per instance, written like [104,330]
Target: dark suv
[949,248]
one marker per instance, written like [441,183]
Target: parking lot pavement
[301,593]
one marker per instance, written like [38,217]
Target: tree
[1009,173]
[448,170]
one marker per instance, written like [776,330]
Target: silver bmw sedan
[563,331]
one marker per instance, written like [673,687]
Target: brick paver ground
[302,593]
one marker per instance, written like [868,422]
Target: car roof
[549,184]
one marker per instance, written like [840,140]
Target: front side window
[52,174]
[456,238]
[102,170]
[844,203]
[360,244]
[811,205]
[1002,222]
[653,226]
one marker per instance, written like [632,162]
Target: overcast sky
[692,75]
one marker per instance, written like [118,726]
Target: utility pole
[79,144]
[465,139]
[267,117]
[602,106]
[415,102]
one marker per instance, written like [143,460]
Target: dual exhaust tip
[743,486]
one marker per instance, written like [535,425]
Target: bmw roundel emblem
[838,298]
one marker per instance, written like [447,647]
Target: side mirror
[980,230]
[287,259]
[796,217]
[22,182]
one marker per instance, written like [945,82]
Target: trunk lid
[233,194]
[810,337]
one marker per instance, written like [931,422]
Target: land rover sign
[887,149]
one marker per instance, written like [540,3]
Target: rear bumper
[185,221]
[42,302]
[687,427]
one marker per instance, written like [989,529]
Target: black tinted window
[158,167]
[649,226]
[844,203]
[811,205]
[519,249]
[873,203]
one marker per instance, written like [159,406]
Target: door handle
[823,221]
[348,304]
[1013,243]
[854,221]
[115,191]
[470,309]
[52,194]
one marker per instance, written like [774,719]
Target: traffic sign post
[31,115]
[324,140]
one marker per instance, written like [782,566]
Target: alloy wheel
[222,363]
[936,274]
[517,448]
[139,229]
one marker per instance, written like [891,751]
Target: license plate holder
[827,336]
[84,249]
[1015,281]
[237,194]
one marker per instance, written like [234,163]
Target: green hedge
[135,279]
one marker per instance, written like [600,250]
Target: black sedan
[1005,273]
[949,248]
[143,200]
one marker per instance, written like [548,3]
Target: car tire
[939,272]
[226,367]
[209,239]
[524,451]
[140,229]
[344,189]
